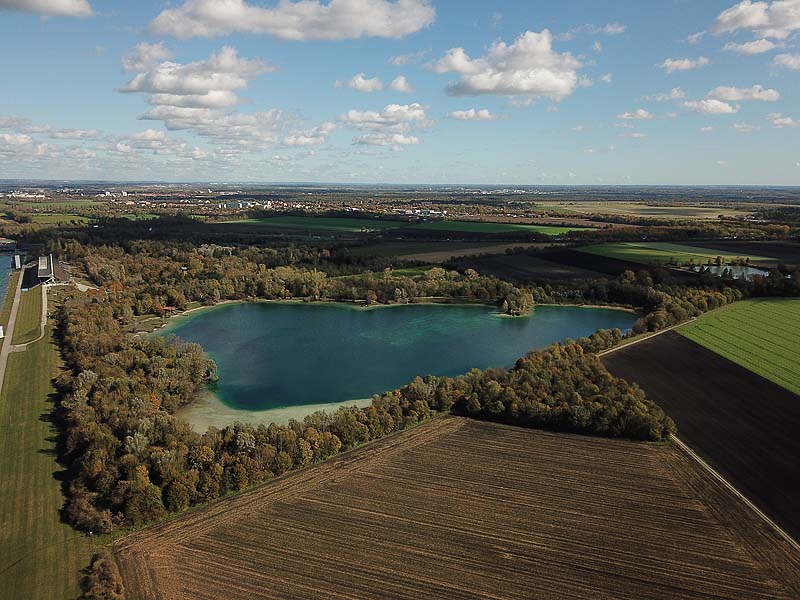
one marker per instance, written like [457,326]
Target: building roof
[45,270]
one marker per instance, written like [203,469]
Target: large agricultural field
[464,509]
[312,224]
[662,253]
[761,335]
[743,424]
[643,209]
[486,227]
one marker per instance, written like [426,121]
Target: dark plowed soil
[744,425]
[787,253]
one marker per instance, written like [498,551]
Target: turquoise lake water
[273,355]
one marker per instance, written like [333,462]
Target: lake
[282,360]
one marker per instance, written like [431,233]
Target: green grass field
[28,325]
[661,253]
[486,227]
[40,557]
[333,224]
[760,335]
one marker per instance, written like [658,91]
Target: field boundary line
[777,528]
[644,339]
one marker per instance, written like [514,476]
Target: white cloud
[607,78]
[12,123]
[301,20]
[390,127]
[15,139]
[787,61]
[674,94]
[777,19]
[529,67]
[733,94]
[310,137]
[54,8]
[754,47]
[200,97]
[711,107]
[394,140]
[706,129]
[145,56]
[745,127]
[400,84]
[670,65]
[361,83]
[75,134]
[578,128]
[636,135]
[639,114]
[695,38]
[472,114]
[607,29]
[597,47]
[722,163]
[223,71]
[401,60]
[779,121]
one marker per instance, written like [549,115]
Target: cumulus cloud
[711,106]
[472,114]
[733,94]
[201,97]
[675,93]
[779,121]
[75,134]
[54,8]
[695,38]
[777,19]
[391,126]
[145,56]
[607,29]
[401,60]
[670,65]
[15,139]
[639,114]
[361,83]
[607,78]
[300,20]
[754,47]
[223,71]
[529,68]
[706,129]
[400,84]
[787,61]
[745,127]
[310,137]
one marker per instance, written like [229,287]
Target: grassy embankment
[40,557]
[28,326]
[760,335]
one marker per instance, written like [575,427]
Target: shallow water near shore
[278,361]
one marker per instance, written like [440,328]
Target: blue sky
[405,91]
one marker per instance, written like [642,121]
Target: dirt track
[464,509]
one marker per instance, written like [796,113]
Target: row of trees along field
[134,461]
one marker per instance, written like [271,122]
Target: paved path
[12,321]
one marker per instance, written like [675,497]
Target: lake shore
[209,411]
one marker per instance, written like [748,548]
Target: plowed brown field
[464,509]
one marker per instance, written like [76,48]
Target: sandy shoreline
[209,411]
